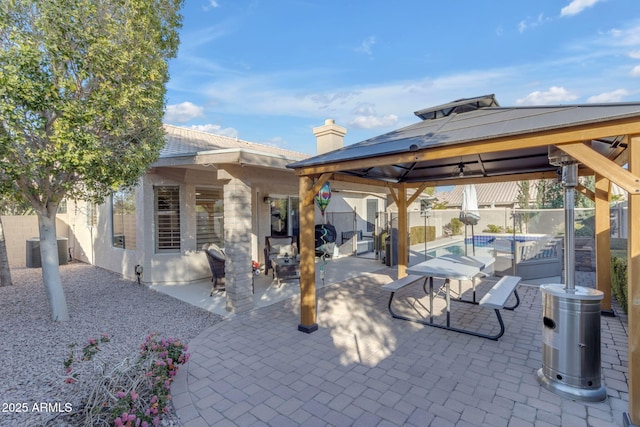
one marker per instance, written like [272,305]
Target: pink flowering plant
[90,349]
[137,393]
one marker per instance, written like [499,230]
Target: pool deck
[363,367]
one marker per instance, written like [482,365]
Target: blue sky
[269,71]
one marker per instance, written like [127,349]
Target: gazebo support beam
[603,241]
[633,277]
[403,231]
[586,155]
[307,257]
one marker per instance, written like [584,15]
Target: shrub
[133,393]
[619,283]
[419,233]
[492,228]
[456,226]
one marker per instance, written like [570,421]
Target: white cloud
[182,112]
[614,96]
[635,72]
[530,23]
[211,5]
[216,129]
[373,122]
[577,6]
[366,117]
[555,95]
[635,54]
[626,37]
[366,45]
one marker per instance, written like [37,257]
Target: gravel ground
[33,348]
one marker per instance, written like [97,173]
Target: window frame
[168,217]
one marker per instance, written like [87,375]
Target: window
[285,216]
[167,204]
[92,215]
[62,207]
[372,211]
[123,219]
[209,216]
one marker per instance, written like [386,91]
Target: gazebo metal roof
[465,128]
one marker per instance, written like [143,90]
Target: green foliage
[619,281]
[419,233]
[492,228]
[82,92]
[550,194]
[379,240]
[585,227]
[523,197]
[456,226]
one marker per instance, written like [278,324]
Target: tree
[5,271]
[82,94]
[550,194]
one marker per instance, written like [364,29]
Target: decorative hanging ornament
[323,197]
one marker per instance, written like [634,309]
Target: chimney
[330,136]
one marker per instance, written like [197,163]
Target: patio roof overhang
[493,144]
[236,156]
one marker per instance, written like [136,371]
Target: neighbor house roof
[189,146]
[494,194]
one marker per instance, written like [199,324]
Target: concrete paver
[363,367]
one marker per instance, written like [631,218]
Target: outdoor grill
[570,316]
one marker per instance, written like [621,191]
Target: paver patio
[364,368]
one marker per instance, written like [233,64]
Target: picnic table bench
[468,268]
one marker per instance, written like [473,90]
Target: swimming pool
[483,244]
[458,248]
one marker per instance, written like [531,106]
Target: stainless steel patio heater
[570,315]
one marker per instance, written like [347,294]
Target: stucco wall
[17,229]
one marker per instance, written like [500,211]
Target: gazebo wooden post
[307,257]
[403,244]
[633,274]
[603,241]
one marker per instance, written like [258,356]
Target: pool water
[483,245]
[458,249]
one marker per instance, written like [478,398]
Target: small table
[285,268]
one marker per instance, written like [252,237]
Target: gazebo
[490,143]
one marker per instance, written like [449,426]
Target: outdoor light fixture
[267,200]
[138,270]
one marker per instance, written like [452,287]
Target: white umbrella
[470,214]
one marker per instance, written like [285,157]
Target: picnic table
[457,267]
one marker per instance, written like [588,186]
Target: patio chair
[278,246]
[216,258]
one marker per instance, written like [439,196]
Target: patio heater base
[570,392]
